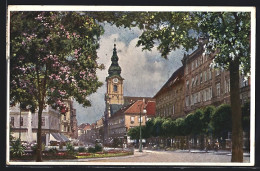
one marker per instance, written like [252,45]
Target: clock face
[115,80]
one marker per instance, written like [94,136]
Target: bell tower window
[115,88]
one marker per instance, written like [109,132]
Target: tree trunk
[237,133]
[39,135]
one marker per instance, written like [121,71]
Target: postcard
[131,85]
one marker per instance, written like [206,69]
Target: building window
[186,70]
[205,95]
[192,82]
[21,121]
[173,109]
[210,76]
[205,75]
[227,85]
[218,89]
[210,92]
[192,65]
[43,121]
[115,88]
[12,121]
[196,80]
[132,119]
[201,80]
[198,96]
[217,72]
[196,63]
[187,101]
[187,84]
[191,100]
[195,98]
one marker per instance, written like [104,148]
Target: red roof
[136,107]
[150,108]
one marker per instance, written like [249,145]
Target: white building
[27,127]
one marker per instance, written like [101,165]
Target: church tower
[114,81]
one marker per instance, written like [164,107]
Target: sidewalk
[219,152]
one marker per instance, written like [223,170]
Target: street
[171,156]
[150,156]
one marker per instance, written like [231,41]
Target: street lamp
[140,139]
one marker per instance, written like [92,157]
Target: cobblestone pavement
[171,156]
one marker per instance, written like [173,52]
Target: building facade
[129,117]
[169,99]
[68,120]
[199,85]
[24,124]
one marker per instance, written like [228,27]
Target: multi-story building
[204,85]
[68,121]
[169,99]
[24,124]
[199,86]
[100,129]
[128,117]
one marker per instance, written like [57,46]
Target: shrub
[98,148]
[53,151]
[91,150]
[17,149]
[82,149]
[70,148]
[34,148]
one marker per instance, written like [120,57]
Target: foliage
[134,132]
[34,148]
[52,58]
[53,151]
[17,149]
[70,148]
[221,120]
[230,33]
[180,127]
[91,149]
[168,128]
[98,148]
[197,122]
[81,149]
[207,116]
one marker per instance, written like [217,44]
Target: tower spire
[114,68]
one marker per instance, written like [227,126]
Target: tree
[134,133]
[206,120]
[229,35]
[53,57]
[222,121]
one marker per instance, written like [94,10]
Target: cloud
[144,71]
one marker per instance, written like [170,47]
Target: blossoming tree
[52,57]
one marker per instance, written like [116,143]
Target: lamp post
[140,139]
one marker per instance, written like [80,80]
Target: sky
[144,72]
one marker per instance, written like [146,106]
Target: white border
[141,8]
